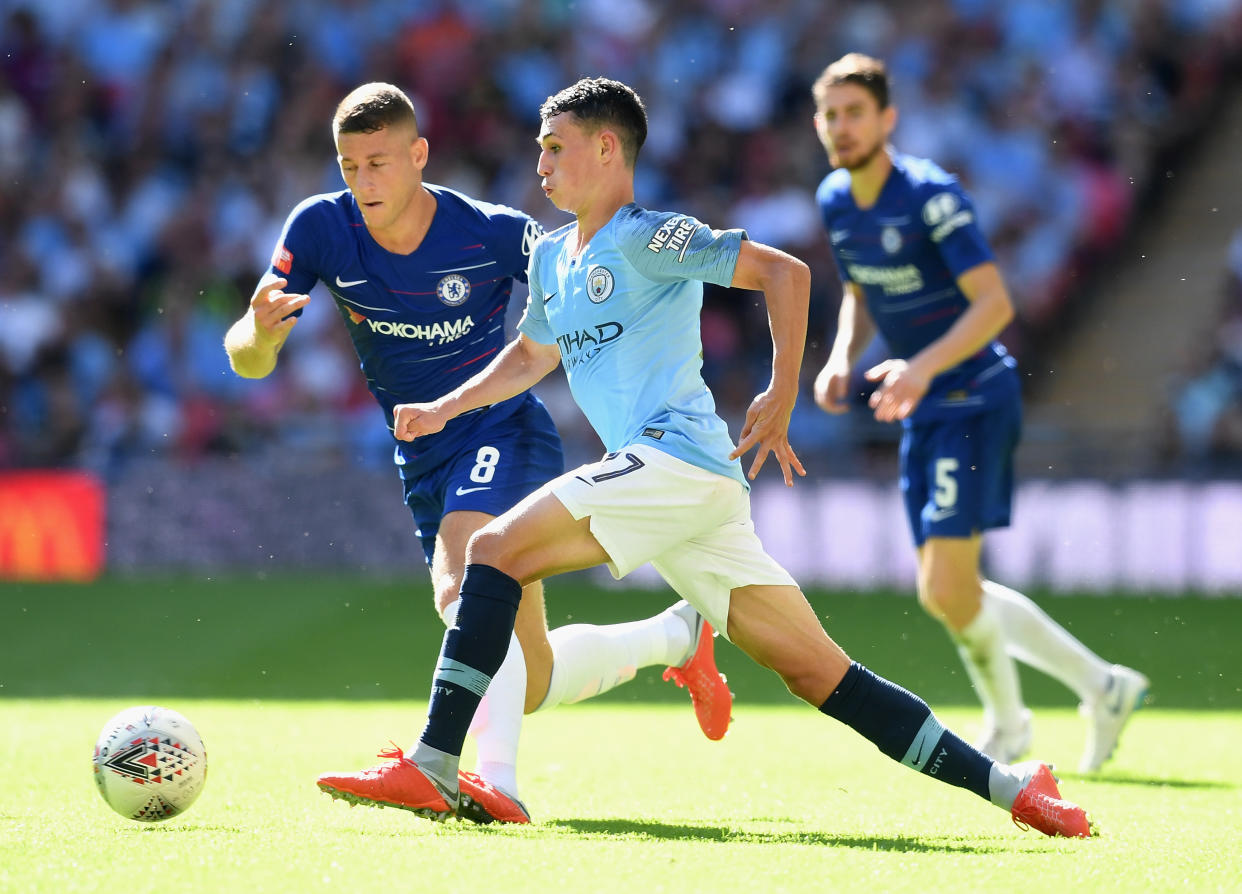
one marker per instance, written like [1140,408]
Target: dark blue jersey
[424,322]
[905,253]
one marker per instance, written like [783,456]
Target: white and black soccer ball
[150,763]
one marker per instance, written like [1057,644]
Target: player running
[421,276]
[615,298]
[916,267]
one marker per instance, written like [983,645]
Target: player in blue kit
[917,269]
[615,297]
[421,276]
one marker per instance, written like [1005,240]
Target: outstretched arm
[786,285]
[521,364]
[903,383]
[253,342]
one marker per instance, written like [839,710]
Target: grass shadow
[1135,779]
[622,829]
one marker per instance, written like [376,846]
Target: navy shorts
[957,474]
[491,473]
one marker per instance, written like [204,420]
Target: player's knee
[486,547]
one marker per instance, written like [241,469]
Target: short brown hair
[855,68]
[373,107]
[603,102]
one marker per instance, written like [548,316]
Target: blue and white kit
[624,313]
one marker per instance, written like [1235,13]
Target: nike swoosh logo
[924,744]
[462,491]
[925,752]
[942,514]
[548,298]
[1114,704]
[346,285]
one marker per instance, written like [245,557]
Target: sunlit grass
[625,798]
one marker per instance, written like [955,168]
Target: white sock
[588,659]
[1034,638]
[497,723]
[1004,784]
[993,673]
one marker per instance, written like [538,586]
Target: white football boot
[1125,693]
[1005,744]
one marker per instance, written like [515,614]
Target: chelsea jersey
[424,322]
[905,254]
[625,315]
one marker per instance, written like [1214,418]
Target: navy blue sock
[900,724]
[472,652]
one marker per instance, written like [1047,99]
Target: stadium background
[149,152]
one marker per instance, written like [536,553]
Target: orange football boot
[482,802]
[1040,806]
[396,782]
[709,690]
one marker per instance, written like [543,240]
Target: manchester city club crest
[890,239]
[599,284]
[453,289]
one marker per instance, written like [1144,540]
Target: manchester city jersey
[625,315]
[424,322]
[905,254]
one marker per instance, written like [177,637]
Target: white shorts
[692,525]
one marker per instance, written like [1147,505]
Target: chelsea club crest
[453,289]
[599,284]
[890,238]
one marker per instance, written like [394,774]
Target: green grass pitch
[288,677]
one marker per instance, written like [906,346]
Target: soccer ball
[150,763]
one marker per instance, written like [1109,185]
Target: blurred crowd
[151,149]
[1204,430]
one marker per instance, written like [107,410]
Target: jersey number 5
[946,484]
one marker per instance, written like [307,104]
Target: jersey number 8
[485,465]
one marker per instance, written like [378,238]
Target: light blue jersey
[625,315]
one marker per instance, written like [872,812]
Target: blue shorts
[491,473]
[957,474]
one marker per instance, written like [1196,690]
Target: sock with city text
[497,724]
[900,724]
[473,650]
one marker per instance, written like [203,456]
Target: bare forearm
[518,367]
[973,330]
[989,312]
[250,355]
[855,330]
[786,285]
[788,299]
